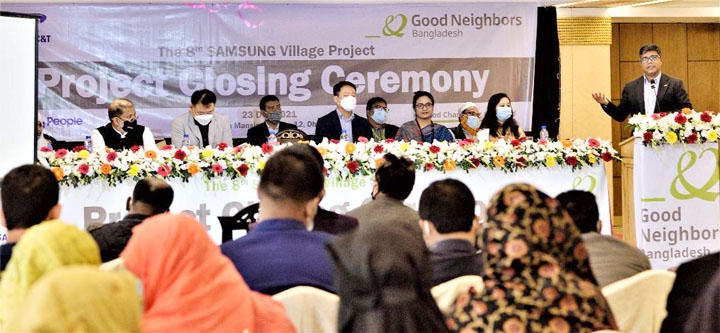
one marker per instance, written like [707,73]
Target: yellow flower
[712,136]
[404,146]
[489,145]
[134,170]
[83,154]
[322,151]
[686,110]
[592,159]
[499,161]
[261,164]
[349,147]
[207,153]
[449,165]
[567,143]
[671,137]
[550,161]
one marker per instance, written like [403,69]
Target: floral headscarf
[537,274]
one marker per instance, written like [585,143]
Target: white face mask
[473,122]
[503,113]
[204,119]
[348,103]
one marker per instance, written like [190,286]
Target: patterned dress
[411,131]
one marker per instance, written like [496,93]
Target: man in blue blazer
[342,118]
[272,112]
[201,124]
[652,93]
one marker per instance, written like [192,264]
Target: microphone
[657,102]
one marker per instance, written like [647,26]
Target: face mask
[379,115]
[204,119]
[274,117]
[473,122]
[129,125]
[504,113]
[348,103]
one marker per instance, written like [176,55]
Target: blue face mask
[503,113]
[379,115]
[473,122]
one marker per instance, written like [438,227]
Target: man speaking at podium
[652,93]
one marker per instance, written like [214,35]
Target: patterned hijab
[43,249]
[537,274]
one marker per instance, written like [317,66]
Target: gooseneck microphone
[657,102]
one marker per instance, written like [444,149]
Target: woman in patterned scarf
[537,274]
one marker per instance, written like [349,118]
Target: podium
[627,148]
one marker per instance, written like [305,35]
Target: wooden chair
[240,221]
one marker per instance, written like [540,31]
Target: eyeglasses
[652,58]
[471,113]
[423,106]
[380,107]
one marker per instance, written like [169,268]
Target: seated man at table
[280,253]
[610,258]
[123,131]
[342,118]
[272,112]
[29,196]
[151,196]
[377,112]
[450,227]
[201,124]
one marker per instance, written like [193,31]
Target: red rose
[706,117]
[180,154]
[222,146]
[164,170]
[475,162]
[243,169]
[592,142]
[60,153]
[572,160]
[353,166]
[267,149]
[521,162]
[389,140]
[647,136]
[434,149]
[45,149]
[663,114]
[523,139]
[429,166]
[680,118]
[656,116]
[363,139]
[111,156]
[83,168]
[167,147]
[378,149]
[334,141]
[515,143]
[77,149]
[692,138]
[607,156]
[217,168]
[135,148]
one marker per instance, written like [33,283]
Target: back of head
[449,205]
[28,193]
[338,86]
[203,97]
[267,98]
[291,176]
[583,209]
[395,177]
[155,193]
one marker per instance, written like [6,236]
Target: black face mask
[129,125]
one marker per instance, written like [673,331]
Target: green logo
[690,190]
[579,180]
[388,30]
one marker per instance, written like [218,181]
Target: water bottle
[344,136]
[544,133]
[272,139]
[185,140]
[88,144]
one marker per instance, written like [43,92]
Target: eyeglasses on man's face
[423,106]
[652,58]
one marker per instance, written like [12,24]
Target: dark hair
[490,121]
[395,177]
[650,47]
[339,85]
[291,175]
[203,97]
[154,192]
[313,152]
[449,205]
[117,107]
[582,207]
[421,93]
[268,98]
[28,193]
[374,101]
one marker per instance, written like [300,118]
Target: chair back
[638,302]
[291,136]
[310,309]
[447,292]
[239,221]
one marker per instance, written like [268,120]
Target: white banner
[677,204]
[158,54]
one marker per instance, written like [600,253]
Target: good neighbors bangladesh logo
[394,26]
[683,189]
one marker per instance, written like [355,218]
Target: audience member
[610,258]
[703,315]
[43,249]
[499,119]
[469,118]
[189,286]
[651,93]
[272,112]
[29,196]
[151,196]
[449,224]
[422,128]
[377,112]
[80,299]
[537,276]
[123,131]
[201,124]
[383,280]
[342,118]
[691,280]
[280,252]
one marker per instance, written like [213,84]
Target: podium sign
[677,202]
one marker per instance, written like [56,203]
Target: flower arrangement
[686,126]
[342,159]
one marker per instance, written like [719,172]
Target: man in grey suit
[201,124]
[394,180]
[610,258]
[653,92]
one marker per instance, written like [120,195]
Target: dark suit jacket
[453,258]
[258,134]
[390,131]
[458,132]
[328,126]
[671,97]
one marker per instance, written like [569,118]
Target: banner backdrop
[158,54]
[677,204]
